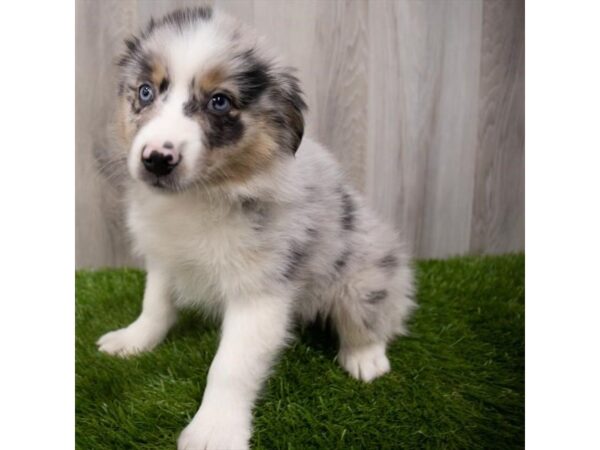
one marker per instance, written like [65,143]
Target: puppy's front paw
[215,432]
[136,338]
[365,363]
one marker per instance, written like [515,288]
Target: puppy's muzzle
[160,159]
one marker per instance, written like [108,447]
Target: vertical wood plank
[424,70]
[499,203]
[402,66]
[341,86]
[100,27]
[146,9]
[242,9]
[451,160]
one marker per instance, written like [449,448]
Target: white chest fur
[210,251]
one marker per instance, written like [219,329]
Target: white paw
[215,432]
[365,363]
[136,338]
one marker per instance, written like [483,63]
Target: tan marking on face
[253,154]
[158,74]
[211,80]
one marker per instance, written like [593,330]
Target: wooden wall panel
[450,173]
[100,30]
[341,84]
[499,201]
[422,101]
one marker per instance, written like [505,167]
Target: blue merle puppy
[235,213]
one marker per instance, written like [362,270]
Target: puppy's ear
[291,107]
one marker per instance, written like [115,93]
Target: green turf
[456,382]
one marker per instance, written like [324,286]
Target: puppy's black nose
[159,162]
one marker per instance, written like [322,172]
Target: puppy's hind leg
[150,328]
[369,311]
[362,352]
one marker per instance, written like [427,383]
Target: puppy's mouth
[163,183]
[158,183]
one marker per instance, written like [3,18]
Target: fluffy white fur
[229,250]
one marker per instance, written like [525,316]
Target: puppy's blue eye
[146,94]
[219,103]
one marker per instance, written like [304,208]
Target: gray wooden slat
[499,203]
[424,70]
[341,86]
[242,9]
[100,27]
[449,179]
[147,9]
[403,63]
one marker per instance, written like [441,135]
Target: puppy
[238,215]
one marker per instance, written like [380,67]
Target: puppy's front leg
[254,330]
[150,328]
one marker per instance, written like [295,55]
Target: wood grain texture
[100,28]
[499,201]
[422,101]
[450,174]
[404,56]
[341,94]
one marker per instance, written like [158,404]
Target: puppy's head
[202,104]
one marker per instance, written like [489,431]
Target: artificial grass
[457,381]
